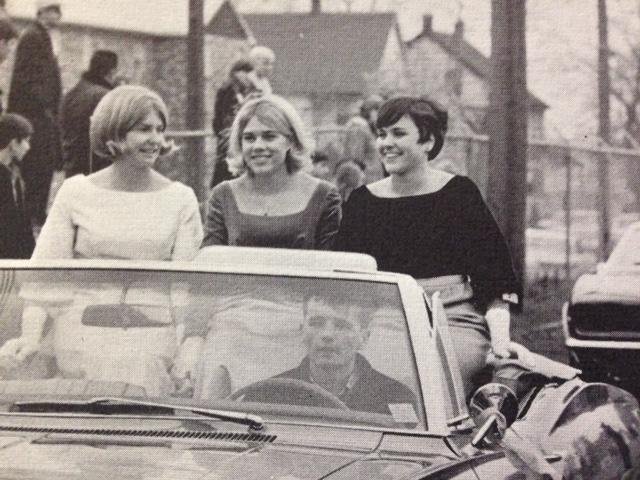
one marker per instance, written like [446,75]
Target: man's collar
[359,367]
[7,162]
[92,78]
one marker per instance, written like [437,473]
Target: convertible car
[300,365]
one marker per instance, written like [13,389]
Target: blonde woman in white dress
[125,211]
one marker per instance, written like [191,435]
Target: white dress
[87,221]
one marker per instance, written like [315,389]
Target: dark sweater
[447,232]
[372,392]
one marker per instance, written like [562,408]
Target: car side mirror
[121,315]
[493,408]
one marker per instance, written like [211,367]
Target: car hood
[292,455]
[607,286]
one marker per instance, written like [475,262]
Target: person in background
[360,139]
[16,235]
[263,60]
[436,227]
[321,166]
[229,97]
[3,9]
[35,93]
[78,106]
[8,36]
[349,175]
[125,211]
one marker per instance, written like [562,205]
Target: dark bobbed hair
[429,116]
[13,126]
[241,65]
[7,30]
[102,62]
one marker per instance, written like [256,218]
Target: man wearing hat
[35,93]
[78,106]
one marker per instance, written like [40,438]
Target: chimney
[427,24]
[316,7]
[458,31]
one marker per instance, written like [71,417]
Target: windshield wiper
[117,405]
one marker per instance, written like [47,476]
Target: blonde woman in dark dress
[435,227]
[272,203]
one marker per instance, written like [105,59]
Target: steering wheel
[287,389]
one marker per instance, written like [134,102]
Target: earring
[111,148]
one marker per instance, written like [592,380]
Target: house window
[453,81]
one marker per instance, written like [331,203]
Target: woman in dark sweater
[435,227]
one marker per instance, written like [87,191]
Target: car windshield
[626,253]
[319,349]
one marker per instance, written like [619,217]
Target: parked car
[602,319]
[312,365]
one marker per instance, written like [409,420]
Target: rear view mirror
[121,315]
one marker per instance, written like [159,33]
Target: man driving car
[333,334]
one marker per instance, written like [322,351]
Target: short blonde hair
[260,51]
[277,113]
[118,112]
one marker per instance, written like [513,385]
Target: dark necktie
[17,184]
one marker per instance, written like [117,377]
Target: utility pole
[195,95]
[508,110]
[604,129]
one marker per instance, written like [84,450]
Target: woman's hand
[499,322]
[184,366]
[17,350]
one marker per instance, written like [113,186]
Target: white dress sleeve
[189,233]
[58,233]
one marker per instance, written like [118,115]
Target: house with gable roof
[451,70]
[326,62]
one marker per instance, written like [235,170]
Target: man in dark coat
[229,97]
[16,235]
[78,106]
[8,35]
[35,94]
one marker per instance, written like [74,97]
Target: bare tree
[624,90]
